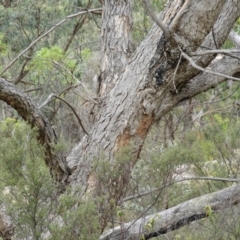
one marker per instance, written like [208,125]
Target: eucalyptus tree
[176,61]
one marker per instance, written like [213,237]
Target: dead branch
[175,217]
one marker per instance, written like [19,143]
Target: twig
[214,52]
[79,83]
[215,110]
[45,34]
[94,19]
[48,100]
[175,72]
[69,105]
[179,15]
[182,180]
[33,89]
[229,95]
[214,39]
[50,97]
[225,52]
[79,24]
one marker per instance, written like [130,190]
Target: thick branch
[206,70]
[176,217]
[214,39]
[21,102]
[205,81]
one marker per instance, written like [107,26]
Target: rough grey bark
[176,217]
[205,81]
[117,16]
[136,101]
[137,91]
[139,97]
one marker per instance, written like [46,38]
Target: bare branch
[181,180]
[79,83]
[45,34]
[72,108]
[22,103]
[179,15]
[155,18]
[205,81]
[78,26]
[205,70]
[33,89]
[200,53]
[23,71]
[48,100]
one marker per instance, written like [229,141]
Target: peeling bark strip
[176,217]
[21,102]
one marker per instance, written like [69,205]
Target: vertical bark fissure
[116,27]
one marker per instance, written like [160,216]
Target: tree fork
[134,102]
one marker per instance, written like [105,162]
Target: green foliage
[86,53]
[208,210]
[80,219]
[24,179]
[29,193]
[150,224]
[48,58]
[45,57]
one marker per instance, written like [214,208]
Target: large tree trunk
[147,90]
